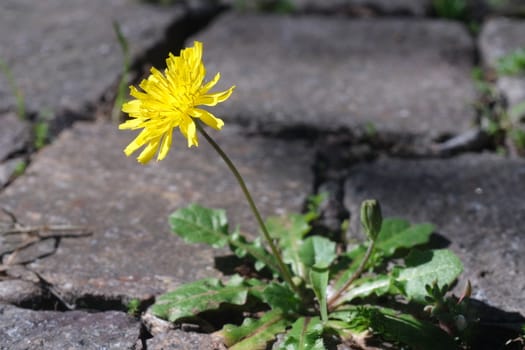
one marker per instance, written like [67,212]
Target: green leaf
[254,249]
[397,233]
[289,231]
[318,252]
[425,267]
[406,329]
[196,224]
[207,294]
[364,287]
[306,334]
[254,334]
[319,281]
[281,297]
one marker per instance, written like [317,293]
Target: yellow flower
[170,101]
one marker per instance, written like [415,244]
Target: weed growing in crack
[16,91]
[301,289]
[504,125]
[512,63]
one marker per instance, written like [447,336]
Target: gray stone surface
[387,7]
[14,135]
[85,179]
[500,37]
[402,76]
[19,292]
[179,340]
[22,329]
[475,201]
[64,54]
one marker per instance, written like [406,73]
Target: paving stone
[28,330]
[384,7]
[401,76]
[14,135]
[83,178]
[500,37]
[475,202]
[64,54]
[353,7]
[179,340]
[19,292]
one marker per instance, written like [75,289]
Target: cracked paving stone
[22,329]
[19,292]
[14,135]
[475,202]
[65,54]
[84,178]
[500,37]
[409,77]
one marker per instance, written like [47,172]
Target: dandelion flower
[170,101]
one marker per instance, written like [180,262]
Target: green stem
[284,270]
[356,275]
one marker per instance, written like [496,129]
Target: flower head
[170,101]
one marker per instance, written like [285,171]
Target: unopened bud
[371,218]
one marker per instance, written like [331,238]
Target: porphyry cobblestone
[474,201]
[410,77]
[22,329]
[85,179]
[63,55]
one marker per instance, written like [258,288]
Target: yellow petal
[148,152]
[207,118]
[132,107]
[210,84]
[165,145]
[213,99]
[188,129]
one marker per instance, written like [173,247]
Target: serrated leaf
[394,326]
[318,252]
[289,232]
[207,294]
[254,334]
[305,334]
[397,233]
[196,224]
[319,281]
[281,297]
[425,267]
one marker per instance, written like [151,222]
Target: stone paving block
[22,329]
[180,340]
[401,76]
[384,7]
[475,202]
[14,135]
[64,54]
[500,37]
[354,7]
[83,178]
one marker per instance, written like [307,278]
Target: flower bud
[371,218]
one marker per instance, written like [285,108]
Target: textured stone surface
[22,329]
[64,54]
[19,292]
[500,37]
[14,135]
[179,340]
[85,179]
[475,201]
[387,7]
[402,76]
